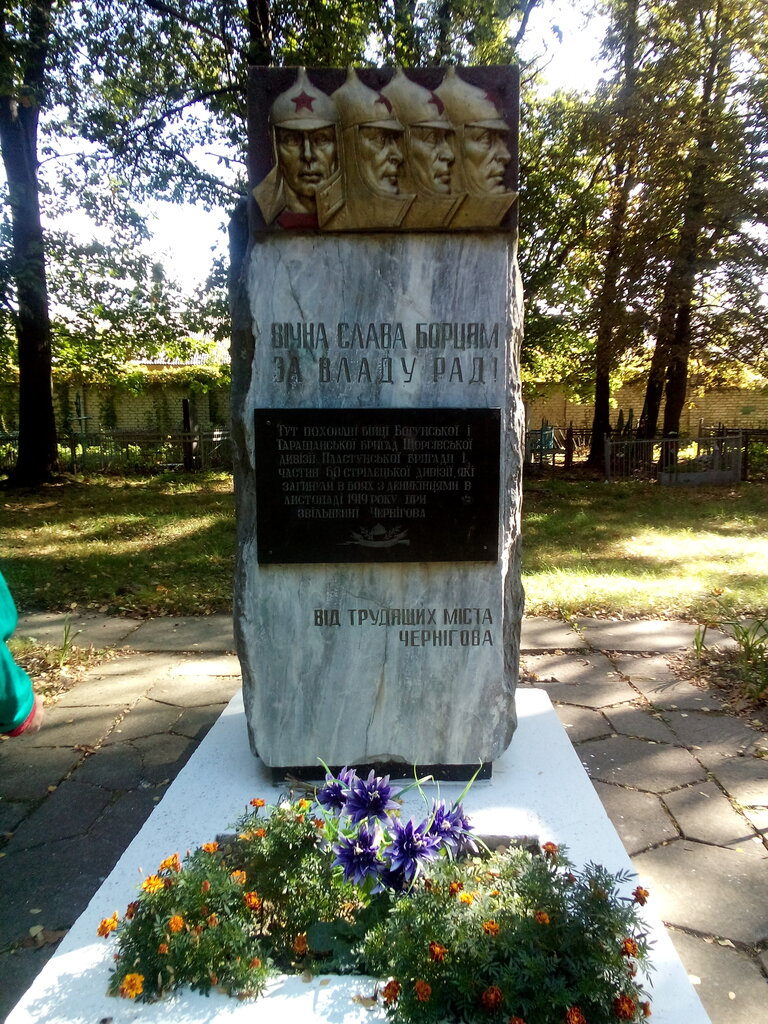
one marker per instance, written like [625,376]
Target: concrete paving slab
[745,780]
[27,773]
[589,680]
[18,969]
[582,723]
[195,722]
[729,982]
[11,813]
[122,680]
[99,631]
[549,635]
[194,691]
[674,694]
[127,812]
[708,890]
[714,737]
[704,814]
[163,756]
[209,633]
[629,720]
[637,634]
[68,812]
[652,767]
[758,816]
[145,718]
[202,664]
[114,767]
[70,726]
[639,818]
[645,668]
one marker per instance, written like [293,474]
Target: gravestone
[377,419]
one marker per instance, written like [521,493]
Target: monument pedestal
[539,788]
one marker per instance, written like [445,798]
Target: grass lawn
[164,545]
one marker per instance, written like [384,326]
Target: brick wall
[737,408]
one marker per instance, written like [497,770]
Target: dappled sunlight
[691,546]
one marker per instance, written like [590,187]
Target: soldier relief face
[432,158]
[381,156]
[306,160]
[486,158]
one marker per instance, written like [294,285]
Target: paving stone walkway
[685,784]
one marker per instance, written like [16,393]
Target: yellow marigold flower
[423,991]
[466,897]
[303,804]
[640,895]
[541,917]
[108,925]
[176,923]
[171,863]
[152,884]
[132,986]
[437,952]
[238,877]
[628,947]
[210,847]
[257,802]
[162,949]
[300,944]
[490,927]
[253,901]
[624,1007]
[391,992]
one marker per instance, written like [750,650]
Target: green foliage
[510,932]
[751,636]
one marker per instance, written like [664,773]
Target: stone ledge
[538,789]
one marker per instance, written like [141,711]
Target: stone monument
[377,419]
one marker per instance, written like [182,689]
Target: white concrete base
[539,788]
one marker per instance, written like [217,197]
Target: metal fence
[676,461]
[134,451]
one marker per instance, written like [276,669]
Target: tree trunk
[38,455]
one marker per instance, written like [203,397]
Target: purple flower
[452,827]
[369,799]
[411,845]
[358,855]
[333,795]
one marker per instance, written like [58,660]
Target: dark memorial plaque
[377,485]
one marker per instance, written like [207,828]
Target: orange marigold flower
[132,985]
[210,847]
[214,979]
[205,886]
[198,929]
[238,877]
[515,1020]
[466,897]
[391,992]
[573,1015]
[541,917]
[640,895]
[212,923]
[176,923]
[491,927]
[423,991]
[318,822]
[495,892]
[162,948]
[624,1007]
[152,884]
[455,887]
[253,901]
[628,947]
[304,804]
[171,863]
[428,886]
[255,963]
[130,910]
[300,818]
[718,591]
[437,952]
[260,833]
[300,944]
[550,849]
[646,1008]
[257,802]
[108,925]
[492,998]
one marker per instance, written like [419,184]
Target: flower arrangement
[340,883]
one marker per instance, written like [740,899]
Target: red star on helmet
[491,96]
[385,101]
[303,101]
[437,101]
